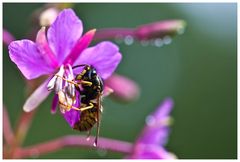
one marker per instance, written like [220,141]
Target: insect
[90,86]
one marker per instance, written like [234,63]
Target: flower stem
[25,119]
[23,125]
[7,129]
[73,141]
[112,33]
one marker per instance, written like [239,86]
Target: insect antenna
[79,66]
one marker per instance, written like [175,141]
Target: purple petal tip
[36,98]
[82,44]
[7,37]
[164,108]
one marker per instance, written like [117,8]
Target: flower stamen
[64,103]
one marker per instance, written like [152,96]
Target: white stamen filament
[51,83]
[62,83]
[59,80]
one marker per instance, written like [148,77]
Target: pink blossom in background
[150,143]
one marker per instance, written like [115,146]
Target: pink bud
[48,16]
[123,88]
[7,37]
[160,29]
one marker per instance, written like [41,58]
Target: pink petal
[37,97]
[26,56]
[73,116]
[81,45]
[151,152]
[157,125]
[164,109]
[104,57]
[44,48]
[64,33]
[54,104]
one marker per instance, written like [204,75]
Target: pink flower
[150,143]
[7,37]
[55,52]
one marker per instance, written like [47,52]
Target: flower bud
[7,37]
[48,16]
[160,29]
[123,88]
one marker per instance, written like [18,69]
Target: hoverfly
[90,86]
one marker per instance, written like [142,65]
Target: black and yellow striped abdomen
[88,119]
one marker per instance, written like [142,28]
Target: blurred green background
[198,70]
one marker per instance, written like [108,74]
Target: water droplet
[150,120]
[144,43]
[119,38]
[158,42]
[95,144]
[102,152]
[128,40]
[167,40]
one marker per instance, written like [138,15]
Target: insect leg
[88,107]
[85,82]
[69,81]
[98,119]
[76,108]
[76,84]
[64,107]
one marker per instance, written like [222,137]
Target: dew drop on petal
[144,43]
[158,42]
[167,40]
[128,40]
[150,120]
